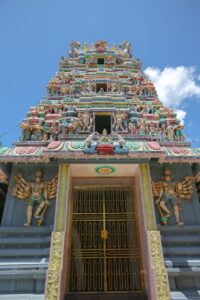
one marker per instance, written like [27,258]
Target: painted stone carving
[168,194]
[37,193]
[104,144]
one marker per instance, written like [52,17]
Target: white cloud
[174,85]
[181,114]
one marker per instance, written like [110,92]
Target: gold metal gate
[105,255]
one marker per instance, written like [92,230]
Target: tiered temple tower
[99,198]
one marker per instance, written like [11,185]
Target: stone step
[184,261]
[190,239]
[22,274]
[31,230]
[191,271]
[181,250]
[178,229]
[185,295]
[23,266]
[21,241]
[22,297]
[24,252]
[23,260]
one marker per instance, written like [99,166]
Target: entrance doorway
[101,87]
[102,122]
[105,256]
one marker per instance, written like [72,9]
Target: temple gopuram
[99,199]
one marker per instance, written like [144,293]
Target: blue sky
[35,33]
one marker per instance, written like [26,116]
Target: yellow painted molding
[162,284]
[148,198]
[55,265]
[155,246]
[61,198]
[57,238]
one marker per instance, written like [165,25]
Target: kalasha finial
[74,49]
[100,46]
[126,48]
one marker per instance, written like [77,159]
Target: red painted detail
[177,150]
[26,150]
[154,146]
[54,145]
[105,149]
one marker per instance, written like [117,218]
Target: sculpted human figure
[74,49]
[179,133]
[169,196]
[119,121]
[26,131]
[36,193]
[86,120]
[170,132]
[126,48]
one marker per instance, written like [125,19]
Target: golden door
[105,254]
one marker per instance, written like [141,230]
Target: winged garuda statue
[37,193]
[169,193]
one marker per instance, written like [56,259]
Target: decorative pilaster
[57,239]
[162,291]
[162,285]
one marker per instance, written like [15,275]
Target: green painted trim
[98,169]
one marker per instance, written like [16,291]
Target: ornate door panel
[105,255]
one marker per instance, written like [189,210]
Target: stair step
[23,266]
[31,230]
[177,261]
[22,297]
[177,229]
[24,252]
[193,271]
[181,250]
[22,274]
[20,241]
[185,295]
[181,239]
[23,260]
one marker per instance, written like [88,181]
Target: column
[159,281]
[53,279]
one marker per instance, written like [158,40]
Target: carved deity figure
[118,121]
[26,131]
[126,48]
[169,192]
[179,133]
[37,193]
[74,49]
[104,137]
[86,121]
[170,133]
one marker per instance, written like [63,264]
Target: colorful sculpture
[126,48]
[168,193]
[73,98]
[37,193]
[74,49]
[104,144]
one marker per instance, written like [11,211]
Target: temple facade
[99,199]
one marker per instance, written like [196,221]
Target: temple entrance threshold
[105,260]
